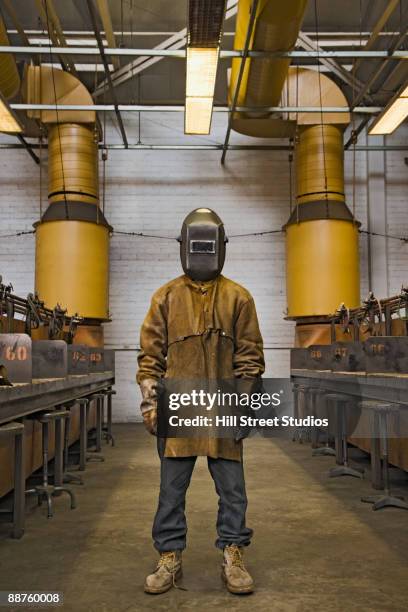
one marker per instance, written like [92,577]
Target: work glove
[150,421]
[148,407]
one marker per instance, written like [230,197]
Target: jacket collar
[200,285]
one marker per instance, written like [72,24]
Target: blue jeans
[170,525]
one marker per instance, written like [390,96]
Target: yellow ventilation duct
[73,163]
[319,163]
[322,249]
[276,28]
[72,238]
[46,85]
[72,266]
[9,76]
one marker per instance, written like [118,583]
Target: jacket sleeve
[153,352]
[248,359]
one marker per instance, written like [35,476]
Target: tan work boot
[237,579]
[164,577]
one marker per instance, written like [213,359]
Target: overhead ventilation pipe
[321,234]
[322,247]
[9,76]
[276,28]
[72,237]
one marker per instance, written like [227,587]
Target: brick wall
[152,191]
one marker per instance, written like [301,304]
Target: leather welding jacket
[199,330]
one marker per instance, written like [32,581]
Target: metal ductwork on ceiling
[9,76]
[321,234]
[322,246]
[72,237]
[276,28]
[9,86]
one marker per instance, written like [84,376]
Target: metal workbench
[390,388]
[27,398]
[387,387]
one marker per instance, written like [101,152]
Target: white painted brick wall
[152,191]
[397,210]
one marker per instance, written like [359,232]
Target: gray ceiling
[333,15]
[164,81]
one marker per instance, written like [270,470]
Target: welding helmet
[202,245]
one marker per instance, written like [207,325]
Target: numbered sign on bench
[78,359]
[50,359]
[96,359]
[348,357]
[15,356]
[387,354]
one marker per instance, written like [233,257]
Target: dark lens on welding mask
[202,246]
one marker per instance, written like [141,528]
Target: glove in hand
[150,421]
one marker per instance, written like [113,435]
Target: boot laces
[235,556]
[168,560]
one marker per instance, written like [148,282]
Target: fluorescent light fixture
[200,83]
[201,71]
[197,115]
[9,122]
[392,116]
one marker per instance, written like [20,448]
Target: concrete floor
[316,546]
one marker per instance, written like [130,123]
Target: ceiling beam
[28,148]
[310,45]
[141,63]
[105,15]
[92,13]
[52,25]
[371,81]
[8,5]
[201,147]
[353,139]
[224,54]
[389,9]
[174,42]
[356,34]
[175,108]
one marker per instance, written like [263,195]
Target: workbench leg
[59,449]
[377,480]
[99,418]
[110,437]
[83,441]
[19,487]
[295,411]
[338,436]
[314,431]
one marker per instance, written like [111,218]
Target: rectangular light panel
[197,115]
[200,84]
[392,116]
